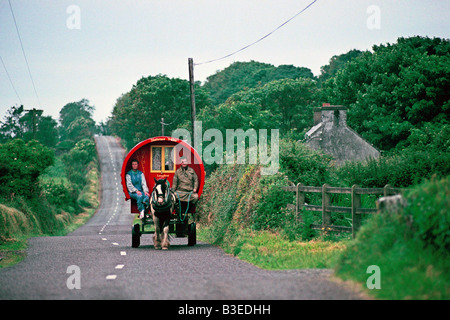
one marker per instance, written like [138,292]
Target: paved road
[100,252]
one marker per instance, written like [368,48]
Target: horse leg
[157,234]
[165,237]
[165,234]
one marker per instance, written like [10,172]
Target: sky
[98,49]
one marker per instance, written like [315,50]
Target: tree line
[391,92]
[75,123]
[397,97]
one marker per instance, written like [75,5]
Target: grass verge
[12,252]
[273,251]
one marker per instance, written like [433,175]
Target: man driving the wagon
[137,187]
[185,183]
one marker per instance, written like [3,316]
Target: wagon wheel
[192,234]
[135,236]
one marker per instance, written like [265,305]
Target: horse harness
[165,206]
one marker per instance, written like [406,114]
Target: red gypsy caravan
[159,158]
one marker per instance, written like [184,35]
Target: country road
[100,253]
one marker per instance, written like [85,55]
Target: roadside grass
[273,251]
[12,252]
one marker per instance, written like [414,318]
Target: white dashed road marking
[122,253]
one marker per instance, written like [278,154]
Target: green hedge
[410,247]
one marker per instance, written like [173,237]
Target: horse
[162,205]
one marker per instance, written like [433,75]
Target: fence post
[326,216]
[387,190]
[356,217]
[300,200]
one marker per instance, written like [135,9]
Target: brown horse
[162,206]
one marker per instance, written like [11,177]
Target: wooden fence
[327,208]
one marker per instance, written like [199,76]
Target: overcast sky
[97,49]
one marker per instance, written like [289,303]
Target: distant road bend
[97,262]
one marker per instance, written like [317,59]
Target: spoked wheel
[192,234]
[135,236]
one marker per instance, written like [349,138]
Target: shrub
[20,166]
[219,202]
[236,195]
[404,169]
[76,162]
[82,153]
[410,247]
[61,195]
[273,199]
[428,206]
[302,164]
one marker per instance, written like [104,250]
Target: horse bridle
[155,192]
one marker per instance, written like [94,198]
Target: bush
[238,196]
[428,206]
[405,169]
[20,166]
[82,153]
[60,195]
[302,164]
[76,162]
[410,247]
[219,201]
[269,213]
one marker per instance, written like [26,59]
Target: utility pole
[162,126]
[191,83]
[34,111]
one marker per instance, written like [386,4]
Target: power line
[7,73]
[260,39]
[24,55]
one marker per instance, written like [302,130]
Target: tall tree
[394,89]
[11,126]
[137,114]
[72,112]
[19,123]
[336,63]
[281,104]
[240,75]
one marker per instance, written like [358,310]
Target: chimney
[317,115]
[335,114]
